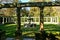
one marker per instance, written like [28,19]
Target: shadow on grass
[42,35]
[11,29]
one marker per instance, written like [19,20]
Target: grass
[52,28]
[11,28]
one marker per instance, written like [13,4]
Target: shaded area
[29,31]
[1,20]
[42,35]
[9,28]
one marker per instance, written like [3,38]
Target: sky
[24,0]
[28,8]
[53,0]
[28,0]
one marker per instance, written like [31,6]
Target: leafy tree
[8,11]
[48,11]
[24,12]
[35,11]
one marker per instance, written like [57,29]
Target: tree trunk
[18,32]
[41,19]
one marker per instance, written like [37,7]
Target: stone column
[6,19]
[9,19]
[3,21]
[51,19]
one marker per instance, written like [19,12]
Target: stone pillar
[18,33]
[6,19]
[9,19]
[51,19]
[3,21]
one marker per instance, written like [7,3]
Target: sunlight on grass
[27,32]
[30,34]
[11,29]
[10,25]
[58,37]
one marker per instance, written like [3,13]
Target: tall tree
[48,11]
[8,11]
[34,11]
[41,14]
[24,12]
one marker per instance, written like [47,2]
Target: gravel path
[23,39]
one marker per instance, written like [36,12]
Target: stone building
[4,12]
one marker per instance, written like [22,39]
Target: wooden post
[41,18]
[18,31]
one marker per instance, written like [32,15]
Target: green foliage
[9,28]
[35,11]
[24,12]
[48,11]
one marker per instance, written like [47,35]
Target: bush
[2,34]
[41,36]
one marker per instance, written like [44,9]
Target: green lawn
[11,28]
